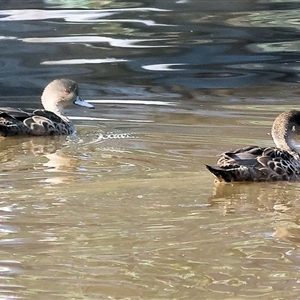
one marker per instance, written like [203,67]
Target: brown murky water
[128,211]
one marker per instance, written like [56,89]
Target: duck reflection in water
[276,202]
[254,163]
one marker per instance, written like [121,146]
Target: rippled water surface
[126,209]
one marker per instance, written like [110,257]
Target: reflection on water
[188,44]
[114,215]
[126,209]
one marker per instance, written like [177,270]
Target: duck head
[60,93]
[284,130]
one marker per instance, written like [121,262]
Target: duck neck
[57,110]
[61,114]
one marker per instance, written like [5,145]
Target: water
[126,209]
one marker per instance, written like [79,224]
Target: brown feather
[253,163]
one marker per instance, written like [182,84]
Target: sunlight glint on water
[126,209]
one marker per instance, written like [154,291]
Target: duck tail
[223,174]
[9,130]
[3,130]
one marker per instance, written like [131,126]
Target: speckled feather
[39,122]
[255,163]
[50,121]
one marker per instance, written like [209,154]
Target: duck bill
[79,101]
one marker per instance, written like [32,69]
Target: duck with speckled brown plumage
[51,120]
[254,163]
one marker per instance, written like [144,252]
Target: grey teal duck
[51,120]
[254,163]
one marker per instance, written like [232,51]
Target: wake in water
[112,136]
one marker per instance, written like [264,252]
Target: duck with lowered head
[51,120]
[254,163]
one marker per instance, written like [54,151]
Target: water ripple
[122,43]
[163,67]
[73,15]
[82,61]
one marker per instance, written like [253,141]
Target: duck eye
[67,91]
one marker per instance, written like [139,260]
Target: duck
[51,120]
[254,163]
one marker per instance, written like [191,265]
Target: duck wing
[39,122]
[49,115]
[255,163]
[11,121]
[16,113]
[44,122]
